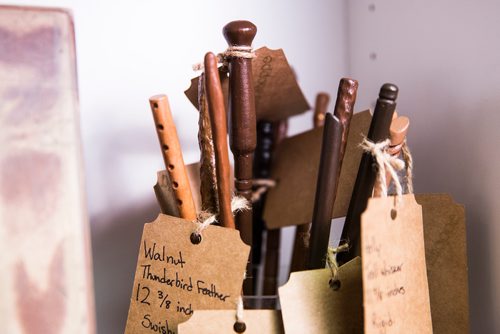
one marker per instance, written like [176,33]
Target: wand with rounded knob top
[365,180]
[242,131]
[243,138]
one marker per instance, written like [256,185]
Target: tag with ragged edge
[277,93]
[221,322]
[174,277]
[395,289]
[310,305]
[446,258]
[295,169]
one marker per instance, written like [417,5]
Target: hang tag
[446,258]
[395,289]
[277,93]
[174,277]
[310,305]
[295,169]
[221,322]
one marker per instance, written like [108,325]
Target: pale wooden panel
[46,284]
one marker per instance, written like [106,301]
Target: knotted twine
[331,260]
[263,185]
[205,219]
[408,159]
[237,51]
[385,163]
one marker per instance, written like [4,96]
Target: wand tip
[389,92]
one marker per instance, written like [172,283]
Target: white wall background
[445,57]
[443,54]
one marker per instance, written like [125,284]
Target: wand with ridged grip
[242,131]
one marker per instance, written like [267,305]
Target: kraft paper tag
[222,322]
[174,277]
[395,290]
[277,93]
[310,305]
[446,257]
[295,168]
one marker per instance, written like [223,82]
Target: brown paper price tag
[310,305]
[221,322]
[277,93]
[395,290]
[446,257]
[295,168]
[174,277]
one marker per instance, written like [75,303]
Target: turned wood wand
[363,187]
[242,135]
[243,121]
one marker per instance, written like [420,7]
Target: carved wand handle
[242,112]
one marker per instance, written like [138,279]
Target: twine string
[263,185]
[331,259]
[233,51]
[408,159]
[239,309]
[205,219]
[385,163]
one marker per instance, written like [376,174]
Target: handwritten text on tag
[395,289]
[174,277]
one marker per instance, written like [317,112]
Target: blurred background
[444,56]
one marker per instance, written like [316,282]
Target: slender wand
[172,155]
[218,122]
[365,180]
[332,154]
[302,233]
[239,35]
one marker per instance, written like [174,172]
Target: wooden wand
[239,36]
[335,136]
[365,180]
[218,122]
[172,155]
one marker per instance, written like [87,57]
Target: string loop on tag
[239,325]
[331,260]
[385,163]
[263,186]
[237,51]
[205,219]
